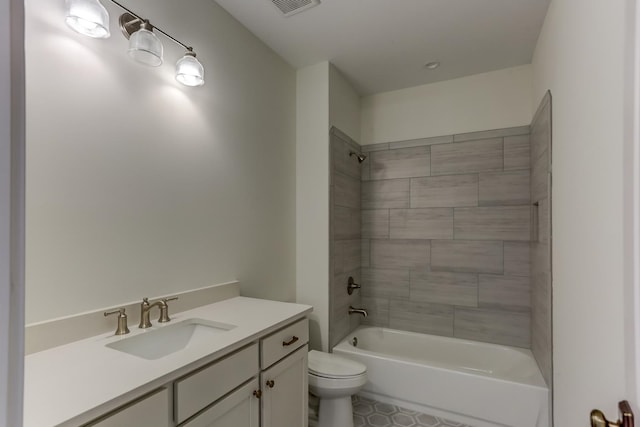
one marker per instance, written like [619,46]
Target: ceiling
[382,45]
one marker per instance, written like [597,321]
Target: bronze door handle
[271,383]
[599,420]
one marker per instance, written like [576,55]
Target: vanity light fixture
[144,45]
[89,17]
[189,71]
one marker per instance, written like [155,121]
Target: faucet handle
[122,320]
[164,310]
[351,285]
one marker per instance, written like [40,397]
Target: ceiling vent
[291,7]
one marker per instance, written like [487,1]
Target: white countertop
[74,383]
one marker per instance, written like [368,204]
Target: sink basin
[161,342]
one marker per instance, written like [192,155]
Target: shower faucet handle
[351,285]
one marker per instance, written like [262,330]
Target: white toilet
[334,380]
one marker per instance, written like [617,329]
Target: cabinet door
[284,392]
[151,410]
[201,388]
[239,409]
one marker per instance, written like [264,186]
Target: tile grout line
[503,154]
[478,289]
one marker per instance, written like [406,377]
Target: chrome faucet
[362,311]
[145,307]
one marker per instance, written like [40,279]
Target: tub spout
[362,311]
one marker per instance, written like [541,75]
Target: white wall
[324,99]
[11,211]
[493,100]
[580,58]
[312,199]
[138,186]
[344,104]
[5,204]
[631,197]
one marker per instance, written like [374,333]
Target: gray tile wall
[345,241]
[541,336]
[445,231]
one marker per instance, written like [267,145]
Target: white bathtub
[483,385]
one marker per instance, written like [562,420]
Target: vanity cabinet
[263,384]
[151,410]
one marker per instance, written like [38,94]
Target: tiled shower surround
[345,234]
[541,336]
[445,227]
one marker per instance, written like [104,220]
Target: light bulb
[189,71]
[88,17]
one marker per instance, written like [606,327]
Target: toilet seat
[331,366]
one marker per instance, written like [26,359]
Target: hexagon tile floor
[369,413]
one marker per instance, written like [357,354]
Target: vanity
[240,362]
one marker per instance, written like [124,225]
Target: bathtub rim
[345,346]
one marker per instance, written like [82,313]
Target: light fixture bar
[169,36]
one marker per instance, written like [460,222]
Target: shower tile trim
[375,147]
[445,139]
[495,133]
[344,137]
[420,142]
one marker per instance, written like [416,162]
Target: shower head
[361,157]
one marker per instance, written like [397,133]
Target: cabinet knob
[257,393]
[271,383]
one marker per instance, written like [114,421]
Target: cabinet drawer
[151,410]
[280,343]
[210,383]
[239,409]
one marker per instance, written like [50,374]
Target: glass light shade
[189,71]
[145,47]
[88,17]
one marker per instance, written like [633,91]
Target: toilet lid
[333,366]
